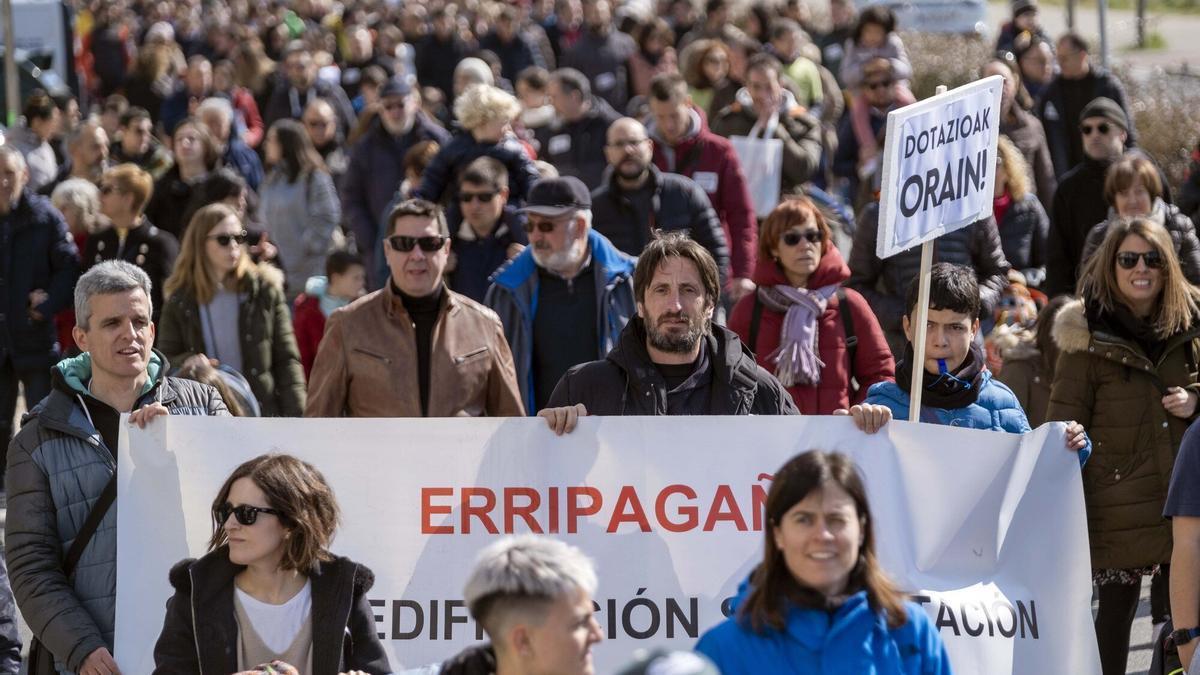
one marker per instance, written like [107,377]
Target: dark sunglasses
[1102,128]
[878,84]
[226,239]
[393,105]
[482,197]
[246,514]
[405,244]
[543,226]
[792,237]
[1129,260]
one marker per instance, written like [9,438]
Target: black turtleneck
[424,313]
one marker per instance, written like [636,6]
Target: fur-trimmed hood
[1071,332]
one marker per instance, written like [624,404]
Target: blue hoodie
[854,639]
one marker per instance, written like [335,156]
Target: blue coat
[514,293]
[855,639]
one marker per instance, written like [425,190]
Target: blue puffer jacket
[854,639]
[514,293]
[58,466]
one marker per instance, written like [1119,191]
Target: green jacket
[1109,385]
[270,357]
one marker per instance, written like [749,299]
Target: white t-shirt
[278,625]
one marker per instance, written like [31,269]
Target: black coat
[36,252]
[577,148]
[170,200]
[148,247]
[439,182]
[1062,123]
[626,382]
[200,632]
[1023,237]
[604,59]
[678,203]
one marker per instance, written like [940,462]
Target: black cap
[1107,109]
[399,85]
[553,197]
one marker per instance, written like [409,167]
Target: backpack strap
[755,319]
[851,338]
[99,510]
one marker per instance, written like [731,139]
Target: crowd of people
[563,208]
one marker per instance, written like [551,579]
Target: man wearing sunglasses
[377,166]
[1079,200]
[566,297]
[491,232]
[63,461]
[414,348]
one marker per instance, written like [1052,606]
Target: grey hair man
[55,464]
[533,597]
[566,297]
[87,150]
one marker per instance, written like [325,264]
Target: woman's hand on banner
[563,420]
[868,417]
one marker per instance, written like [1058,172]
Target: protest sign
[939,165]
[987,529]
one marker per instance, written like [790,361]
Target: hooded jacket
[200,632]
[1109,385]
[514,296]
[270,358]
[577,148]
[854,638]
[799,131]
[58,466]
[676,203]
[710,160]
[625,382]
[872,361]
[1177,224]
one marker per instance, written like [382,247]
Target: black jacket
[577,148]
[439,181]
[604,59]
[36,252]
[280,105]
[474,660]
[1078,205]
[200,633]
[1062,124]
[1023,237]
[678,204]
[171,197]
[146,246]
[977,245]
[626,382]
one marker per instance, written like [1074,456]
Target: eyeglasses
[405,244]
[878,84]
[1101,128]
[245,514]
[543,226]
[792,237]
[482,197]
[628,143]
[1129,260]
[227,239]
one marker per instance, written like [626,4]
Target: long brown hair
[773,587]
[193,273]
[299,491]
[1179,302]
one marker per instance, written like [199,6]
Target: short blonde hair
[483,104]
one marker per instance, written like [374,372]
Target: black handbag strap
[851,338]
[755,319]
[99,510]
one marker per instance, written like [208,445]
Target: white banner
[939,165]
[988,529]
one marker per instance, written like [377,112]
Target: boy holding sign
[958,389]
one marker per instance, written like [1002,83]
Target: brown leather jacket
[366,364]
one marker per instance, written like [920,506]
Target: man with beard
[638,199]
[376,165]
[566,297]
[87,156]
[136,144]
[300,86]
[672,359]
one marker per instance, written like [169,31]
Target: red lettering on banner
[526,512]
[553,510]
[628,510]
[691,513]
[731,513]
[758,502]
[575,510]
[482,512]
[428,510]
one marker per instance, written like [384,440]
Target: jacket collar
[394,305]
[610,263]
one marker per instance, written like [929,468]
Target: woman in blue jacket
[819,602]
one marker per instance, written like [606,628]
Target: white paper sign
[939,165]
[987,529]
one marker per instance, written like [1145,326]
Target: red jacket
[872,361]
[308,321]
[715,167]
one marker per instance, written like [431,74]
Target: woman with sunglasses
[223,308]
[801,322]
[1127,372]
[820,600]
[269,596]
[298,204]
[1133,188]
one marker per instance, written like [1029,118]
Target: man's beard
[561,261]
[631,175]
[676,343]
